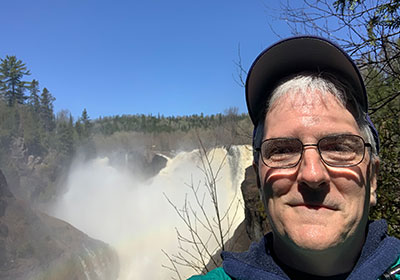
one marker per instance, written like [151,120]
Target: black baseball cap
[301,54]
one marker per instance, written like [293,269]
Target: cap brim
[295,55]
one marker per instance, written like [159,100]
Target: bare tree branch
[204,229]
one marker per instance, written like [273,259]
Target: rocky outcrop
[142,164]
[255,218]
[254,226]
[34,245]
[145,165]
[29,176]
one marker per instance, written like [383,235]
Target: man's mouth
[313,206]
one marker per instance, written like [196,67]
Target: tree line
[28,112]
[160,123]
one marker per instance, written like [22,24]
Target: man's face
[314,206]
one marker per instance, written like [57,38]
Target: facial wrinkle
[309,121]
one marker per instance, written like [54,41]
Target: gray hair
[325,84]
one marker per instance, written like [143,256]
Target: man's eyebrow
[321,135]
[318,135]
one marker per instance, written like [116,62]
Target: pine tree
[34,99]
[79,128]
[46,110]
[12,89]
[65,137]
[87,125]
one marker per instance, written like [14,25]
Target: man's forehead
[293,114]
[305,101]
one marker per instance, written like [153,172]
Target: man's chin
[315,238]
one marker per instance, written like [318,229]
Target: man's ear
[255,167]
[374,169]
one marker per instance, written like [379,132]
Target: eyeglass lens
[338,150]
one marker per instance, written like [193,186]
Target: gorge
[129,216]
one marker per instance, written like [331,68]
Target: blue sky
[131,57]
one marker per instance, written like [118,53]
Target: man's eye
[337,147]
[281,150]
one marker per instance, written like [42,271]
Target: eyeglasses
[337,150]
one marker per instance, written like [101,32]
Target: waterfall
[134,216]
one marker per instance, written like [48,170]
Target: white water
[135,217]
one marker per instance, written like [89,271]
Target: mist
[110,203]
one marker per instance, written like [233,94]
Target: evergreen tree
[85,118]
[46,110]
[65,137]
[12,89]
[86,124]
[30,130]
[34,99]
[71,124]
[79,128]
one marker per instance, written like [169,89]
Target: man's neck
[333,261]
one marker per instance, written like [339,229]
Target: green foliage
[34,99]
[150,123]
[46,111]
[342,5]
[65,136]
[385,15]
[12,87]
[387,121]
[85,126]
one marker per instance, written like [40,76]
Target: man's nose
[312,171]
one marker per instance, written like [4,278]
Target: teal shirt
[215,274]
[397,276]
[219,274]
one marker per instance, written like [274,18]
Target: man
[316,159]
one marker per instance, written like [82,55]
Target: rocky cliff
[255,218]
[34,246]
[253,227]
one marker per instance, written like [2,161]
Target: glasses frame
[319,151]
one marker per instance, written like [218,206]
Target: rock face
[29,176]
[255,224]
[141,164]
[255,218]
[36,246]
